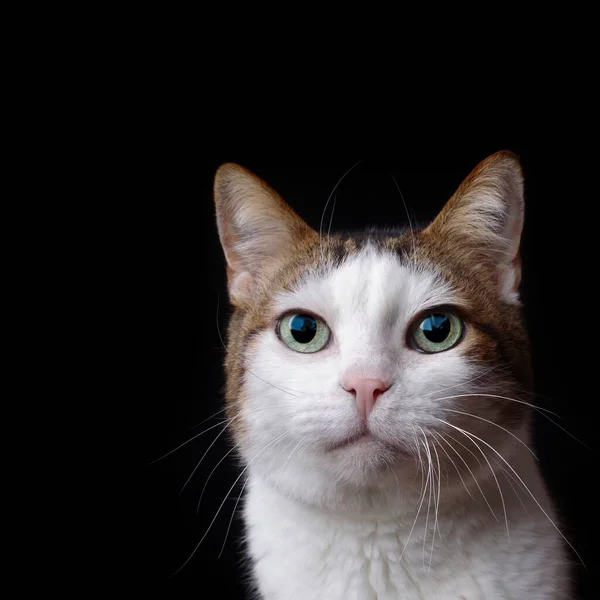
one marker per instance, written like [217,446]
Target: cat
[378,386]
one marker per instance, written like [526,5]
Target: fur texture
[436,494]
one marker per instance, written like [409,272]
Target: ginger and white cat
[379,388]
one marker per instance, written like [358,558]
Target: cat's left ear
[483,221]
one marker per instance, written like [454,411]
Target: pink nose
[366,392]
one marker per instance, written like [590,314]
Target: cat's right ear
[256,227]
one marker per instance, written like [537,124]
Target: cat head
[352,356]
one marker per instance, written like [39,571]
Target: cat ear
[483,220]
[256,227]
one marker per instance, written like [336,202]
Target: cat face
[351,357]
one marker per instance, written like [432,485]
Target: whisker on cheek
[455,466]
[275,440]
[539,409]
[460,412]
[470,435]
[233,515]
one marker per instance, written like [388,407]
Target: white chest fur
[304,553]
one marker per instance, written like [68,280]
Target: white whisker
[437,506]
[465,447]
[525,487]
[416,440]
[469,469]
[208,418]
[428,453]
[211,474]
[506,476]
[468,435]
[233,515]
[227,495]
[460,412]
[455,466]
[327,204]
[299,452]
[539,409]
[273,385]
[567,432]
[412,232]
[475,394]
[229,421]
[202,457]
[417,516]
[217,465]
[329,230]
[464,383]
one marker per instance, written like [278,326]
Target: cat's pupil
[303,328]
[436,328]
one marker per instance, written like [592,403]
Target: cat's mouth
[365,438]
[362,437]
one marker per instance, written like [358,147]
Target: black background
[179,267]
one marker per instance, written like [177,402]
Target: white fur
[333,524]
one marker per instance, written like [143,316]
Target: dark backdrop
[181,271]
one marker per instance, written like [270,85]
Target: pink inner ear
[509,279]
[241,285]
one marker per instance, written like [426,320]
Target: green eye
[437,331]
[303,333]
